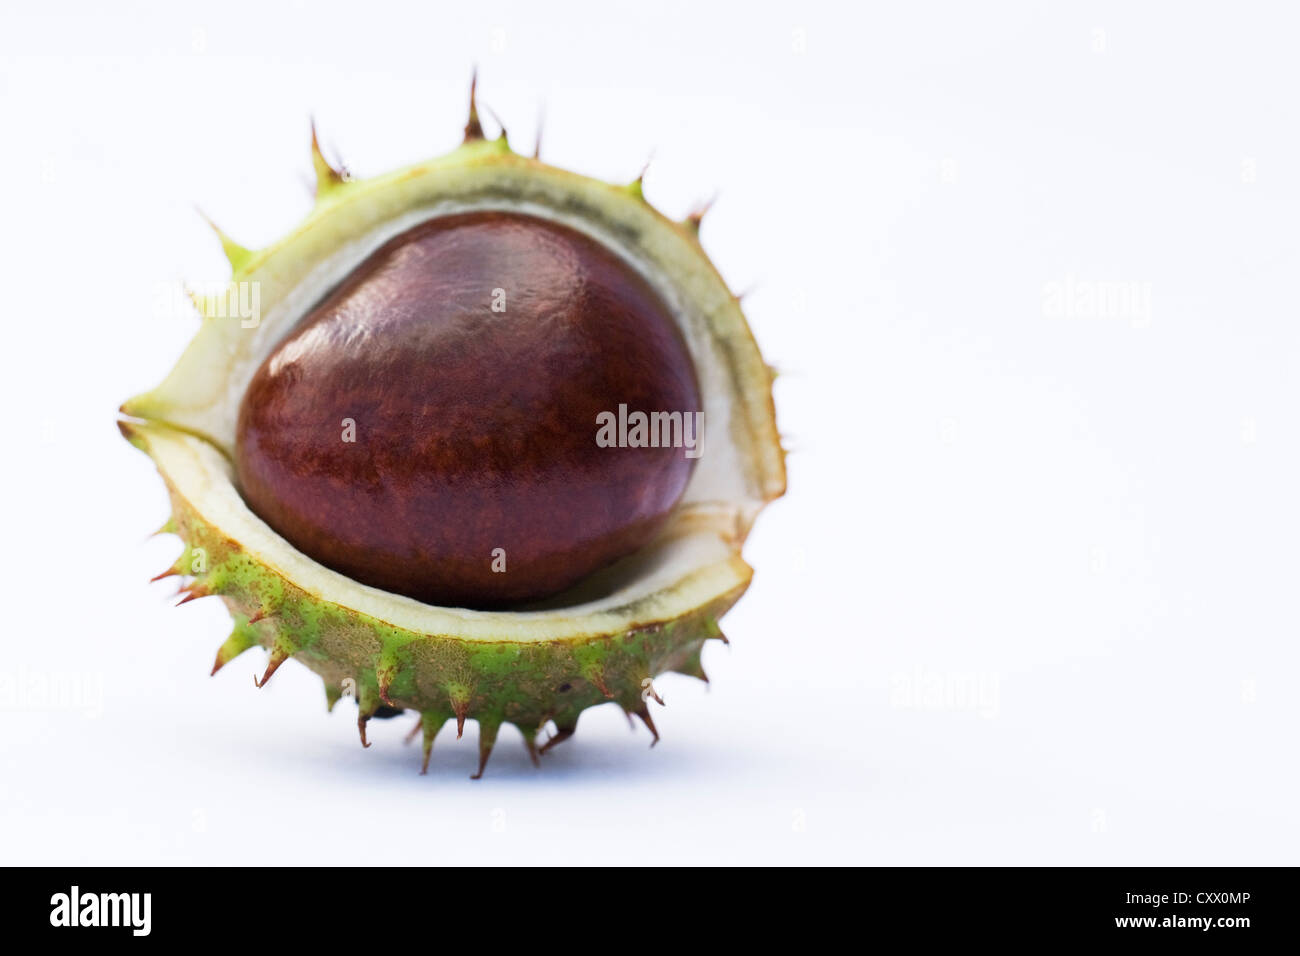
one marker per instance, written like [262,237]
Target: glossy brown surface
[475,429]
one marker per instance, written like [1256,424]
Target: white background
[1032,595]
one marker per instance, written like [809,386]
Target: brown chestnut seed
[434,418]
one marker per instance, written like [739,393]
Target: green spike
[712,630]
[696,216]
[459,696]
[237,255]
[636,188]
[502,142]
[487,738]
[241,639]
[328,178]
[473,128]
[692,667]
[530,743]
[178,568]
[281,651]
[431,721]
[367,703]
[643,712]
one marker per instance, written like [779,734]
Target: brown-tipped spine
[473,128]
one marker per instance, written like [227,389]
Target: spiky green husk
[568,666]
[441,677]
